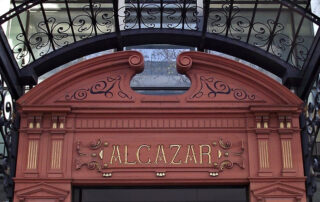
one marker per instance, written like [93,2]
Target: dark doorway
[161,194]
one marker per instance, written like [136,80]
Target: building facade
[94,125]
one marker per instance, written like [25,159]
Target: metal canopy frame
[133,23]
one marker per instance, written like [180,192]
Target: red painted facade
[86,126]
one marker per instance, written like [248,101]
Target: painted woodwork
[86,126]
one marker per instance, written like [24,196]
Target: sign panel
[168,151]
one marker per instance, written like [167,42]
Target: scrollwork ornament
[299,53]
[224,18]
[224,144]
[95,145]
[176,14]
[21,51]
[58,33]
[241,94]
[107,87]
[225,164]
[9,133]
[310,125]
[87,22]
[220,21]
[213,87]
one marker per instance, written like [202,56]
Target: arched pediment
[104,82]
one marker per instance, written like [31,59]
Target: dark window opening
[161,194]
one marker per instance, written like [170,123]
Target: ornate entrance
[85,126]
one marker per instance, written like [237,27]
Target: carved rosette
[184,63]
[136,61]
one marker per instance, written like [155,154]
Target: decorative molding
[35,122]
[109,87]
[263,154]
[286,154]
[125,123]
[56,154]
[42,191]
[212,88]
[279,189]
[32,161]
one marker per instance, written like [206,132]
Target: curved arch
[62,89]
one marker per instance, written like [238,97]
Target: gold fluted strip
[29,156]
[57,157]
[260,154]
[32,154]
[266,153]
[284,161]
[286,154]
[59,154]
[53,150]
[263,153]
[290,154]
[56,154]
[53,160]
[35,157]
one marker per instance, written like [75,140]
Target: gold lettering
[189,157]
[178,146]
[115,157]
[205,153]
[161,157]
[126,156]
[138,154]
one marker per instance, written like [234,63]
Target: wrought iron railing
[282,28]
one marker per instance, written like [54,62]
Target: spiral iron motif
[310,125]
[149,14]
[21,51]
[108,87]
[299,53]
[224,18]
[39,42]
[219,18]
[212,87]
[9,123]
[86,23]
[280,43]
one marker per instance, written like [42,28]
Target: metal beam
[9,68]
[311,68]
[215,42]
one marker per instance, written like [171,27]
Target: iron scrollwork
[87,22]
[220,21]
[223,18]
[182,14]
[40,41]
[9,123]
[310,125]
